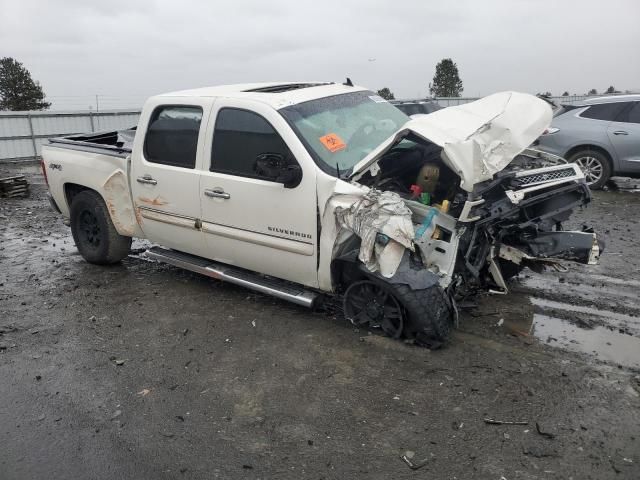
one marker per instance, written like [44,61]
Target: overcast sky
[127,50]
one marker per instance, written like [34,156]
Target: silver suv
[601,135]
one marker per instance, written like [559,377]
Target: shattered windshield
[341,130]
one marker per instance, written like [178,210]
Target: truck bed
[117,142]
[95,161]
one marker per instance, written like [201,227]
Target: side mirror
[291,176]
[273,166]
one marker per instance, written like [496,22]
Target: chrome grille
[548,176]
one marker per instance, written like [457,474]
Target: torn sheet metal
[383,223]
[478,139]
[126,138]
[118,201]
[581,247]
[551,248]
[438,250]
[333,193]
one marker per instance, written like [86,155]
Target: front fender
[409,273]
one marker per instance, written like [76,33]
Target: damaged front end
[441,210]
[516,221]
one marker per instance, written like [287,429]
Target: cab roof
[275,94]
[609,99]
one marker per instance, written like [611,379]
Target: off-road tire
[93,231]
[429,318]
[601,159]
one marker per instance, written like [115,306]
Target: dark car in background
[601,135]
[417,107]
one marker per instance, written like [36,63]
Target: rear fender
[118,201]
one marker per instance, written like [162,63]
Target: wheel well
[73,189]
[344,272]
[579,148]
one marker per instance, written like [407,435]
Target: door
[624,134]
[165,178]
[258,197]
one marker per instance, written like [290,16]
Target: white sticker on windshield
[377,98]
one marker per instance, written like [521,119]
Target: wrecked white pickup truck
[314,192]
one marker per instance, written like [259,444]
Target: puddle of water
[599,341]
[583,289]
[625,185]
[617,281]
[604,342]
[619,318]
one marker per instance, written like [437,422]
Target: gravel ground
[144,371]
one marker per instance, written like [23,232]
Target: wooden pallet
[16,186]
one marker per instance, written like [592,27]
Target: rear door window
[244,142]
[604,111]
[631,115]
[172,136]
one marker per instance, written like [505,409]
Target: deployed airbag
[379,213]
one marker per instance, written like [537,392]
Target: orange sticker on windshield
[332,142]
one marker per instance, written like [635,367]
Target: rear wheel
[595,166]
[93,231]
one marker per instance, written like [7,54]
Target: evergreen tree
[386,94]
[18,91]
[446,82]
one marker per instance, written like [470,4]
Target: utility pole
[97,105]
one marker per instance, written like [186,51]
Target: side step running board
[270,286]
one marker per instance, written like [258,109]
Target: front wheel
[399,311]
[93,231]
[594,165]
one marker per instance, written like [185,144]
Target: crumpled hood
[478,139]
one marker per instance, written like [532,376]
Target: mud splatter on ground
[141,370]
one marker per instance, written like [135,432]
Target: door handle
[217,193]
[148,179]
[620,132]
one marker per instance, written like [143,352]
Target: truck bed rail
[116,142]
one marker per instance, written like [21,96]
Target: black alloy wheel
[370,304]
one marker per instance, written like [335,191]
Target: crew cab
[325,192]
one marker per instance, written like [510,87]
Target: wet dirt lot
[141,370]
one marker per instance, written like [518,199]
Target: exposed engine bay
[415,171]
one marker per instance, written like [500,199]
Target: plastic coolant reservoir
[426,223]
[428,220]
